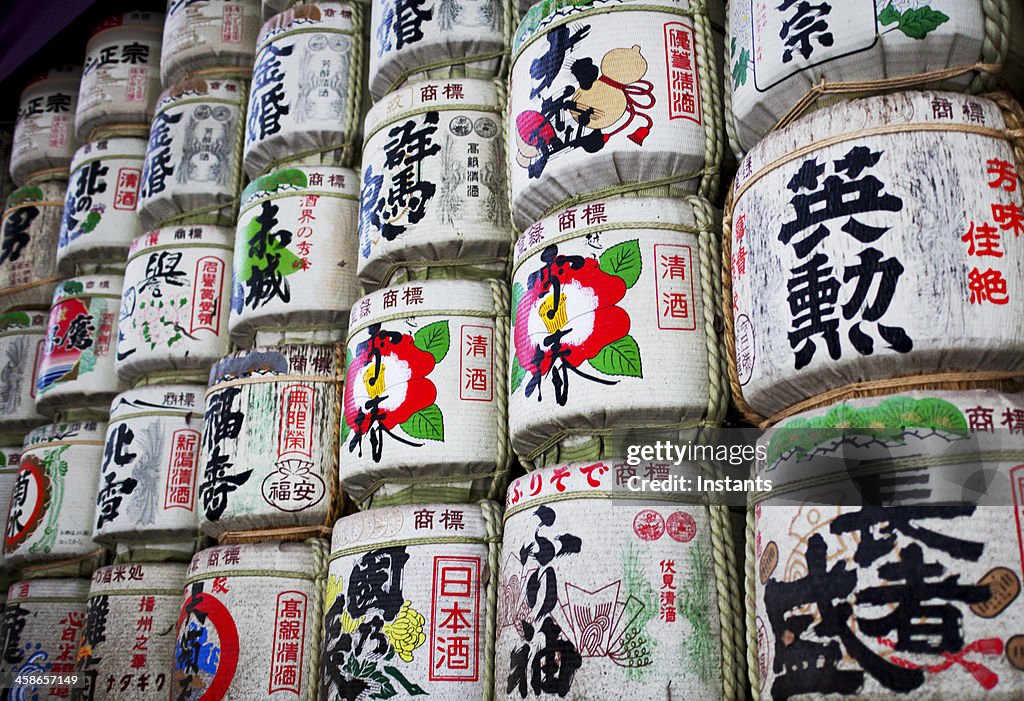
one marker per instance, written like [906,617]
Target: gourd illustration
[617,91]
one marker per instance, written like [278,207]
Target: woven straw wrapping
[299,224]
[77,365]
[51,508]
[147,487]
[925,175]
[926,450]
[257,608]
[425,405]
[43,619]
[420,581]
[10,460]
[44,135]
[99,207]
[304,106]
[121,77]
[128,643]
[612,98]
[174,307]
[784,59]
[269,455]
[458,39]
[31,221]
[204,35]
[193,171]
[452,221]
[614,308]
[22,337]
[656,568]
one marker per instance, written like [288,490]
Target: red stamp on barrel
[649,525]
[681,527]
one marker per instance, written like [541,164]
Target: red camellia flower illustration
[568,314]
[386,383]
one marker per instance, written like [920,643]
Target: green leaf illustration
[518,373]
[517,296]
[740,65]
[410,688]
[434,339]
[91,221]
[272,183]
[619,358]
[890,15]
[916,24]
[427,424]
[624,261]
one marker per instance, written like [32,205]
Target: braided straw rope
[321,549]
[494,526]
[750,605]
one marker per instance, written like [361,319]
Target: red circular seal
[682,527]
[649,525]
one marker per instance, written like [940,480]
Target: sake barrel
[295,252]
[147,485]
[783,54]
[613,307]
[268,596]
[423,579]
[99,208]
[173,311]
[28,251]
[22,337]
[51,507]
[208,34]
[836,203]
[425,416]
[10,459]
[434,189]
[44,137]
[306,88]
[883,553]
[121,77]
[269,449]
[43,619]
[77,365]
[416,41]
[176,550]
[652,566]
[598,109]
[128,643]
[193,168]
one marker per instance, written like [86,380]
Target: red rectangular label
[476,363]
[289,639]
[455,620]
[135,90]
[673,286]
[295,433]
[681,72]
[209,282]
[181,471]
[231,24]
[126,196]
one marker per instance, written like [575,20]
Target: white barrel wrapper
[610,329]
[295,252]
[77,366]
[147,486]
[99,207]
[778,51]
[51,508]
[44,134]
[268,456]
[916,598]
[253,609]
[22,337]
[121,77]
[193,161]
[424,416]
[176,291]
[128,643]
[604,596]
[419,581]
[28,251]
[610,95]
[421,39]
[306,87]
[10,460]
[877,255]
[434,193]
[43,620]
[208,34]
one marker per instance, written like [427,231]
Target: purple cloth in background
[26,26]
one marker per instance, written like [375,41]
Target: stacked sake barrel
[885,361]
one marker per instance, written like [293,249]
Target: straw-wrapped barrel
[200,36]
[22,338]
[28,251]
[44,134]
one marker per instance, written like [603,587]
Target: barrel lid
[156,578]
[461,94]
[36,192]
[123,147]
[68,432]
[308,17]
[191,235]
[197,89]
[139,20]
[428,298]
[267,362]
[19,321]
[88,285]
[182,400]
[302,180]
[435,523]
[272,559]
[56,76]
[39,588]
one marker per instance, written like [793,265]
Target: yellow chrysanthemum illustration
[405,633]
[334,586]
